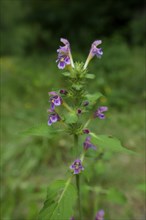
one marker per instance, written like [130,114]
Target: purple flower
[55,100]
[100,215]
[94,51]
[77,166]
[64,55]
[54,117]
[72,218]
[87,144]
[99,112]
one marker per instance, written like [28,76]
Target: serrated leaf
[90,76]
[116,196]
[92,98]
[109,143]
[60,200]
[71,118]
[41,130]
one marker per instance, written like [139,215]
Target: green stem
[79,196]
[76,139]
[87,123]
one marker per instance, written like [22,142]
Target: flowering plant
[73,108]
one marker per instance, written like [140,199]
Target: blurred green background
[30,33]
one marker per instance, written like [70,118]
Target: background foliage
[30,32]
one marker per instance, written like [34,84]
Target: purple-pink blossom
[87,144]
[64,55]
[53,118]
[100,215]
[100,112]
[94,51]
[55,100]
[77,166]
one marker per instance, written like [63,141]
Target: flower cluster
[55,100]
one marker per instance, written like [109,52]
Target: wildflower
[55,100]
[77,166]
[99,112]
[87,144]
[94,51]
[54,117]
[64,55]
[86,131]
[100,215]
[72,218]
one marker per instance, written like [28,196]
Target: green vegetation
[30,163]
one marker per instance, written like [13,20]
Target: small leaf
[94,97]
[41,130]
[71,118]
[66,73]
[77,86]
[116,196]
[60,200]
[90,76]
[109,143]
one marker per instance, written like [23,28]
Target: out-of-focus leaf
[90,76]
[66,73]
[60,200]
[109,143]
[41,130]
[142,187]
[115,196]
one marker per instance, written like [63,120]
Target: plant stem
[79,197]
[76,139]
[78,176]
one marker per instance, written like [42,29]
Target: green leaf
[66,73]
[71,118]
[109,143]
[41,130]
[94,97]
[60,200]
[90,76]
[77,86]
[115,196]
